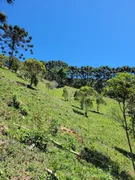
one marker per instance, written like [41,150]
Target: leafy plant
[16,101]
[34,68]
[99,100]
[122,89]
[36,138]
[65,94]
[53,129]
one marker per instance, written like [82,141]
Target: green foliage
[122,89]
[53,129]
[51,85]
[99,100]
[57,71]
[34,68]
[15,64]
[2,60]
[85,96]
[24,110]
[35,138]
[88,103]
[16,102]
[65,94]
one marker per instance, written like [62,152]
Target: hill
[44,137]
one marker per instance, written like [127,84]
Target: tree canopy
[122,89]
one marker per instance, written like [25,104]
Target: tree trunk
[97,108]
[10,61]
[127,135]
[86,114]
[133,126]
[31,82]
[81,104]
[11,55]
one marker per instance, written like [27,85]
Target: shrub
[65,94]
[35,137]
[16,102]
[53,127]
[24,110]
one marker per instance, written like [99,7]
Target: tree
[99,100]
[12,40]
[58,71]
[15,64]
[88,102]
[52,85]
[2,60]
[65,94]
[62,77]
[131,112]
[121,88]
[84,92]
[34,68]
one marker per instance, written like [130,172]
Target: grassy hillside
[44,114]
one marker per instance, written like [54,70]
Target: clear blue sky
[79,32]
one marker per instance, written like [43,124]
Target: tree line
[81,76]
[64,74]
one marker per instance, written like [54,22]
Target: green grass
[99,132]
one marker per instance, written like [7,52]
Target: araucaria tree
[122,88]
[34,69]
[12,40]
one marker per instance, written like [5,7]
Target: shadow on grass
[124,152]
[76,107]
[96,112]
[92,111]
[64,100]
[21,83]
[100,160]
[32,88]
[78,112]
[25,85]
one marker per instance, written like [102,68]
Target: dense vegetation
[63,122]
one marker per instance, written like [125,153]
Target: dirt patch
[72,132]
[3,129]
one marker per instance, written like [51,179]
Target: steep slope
[39,130]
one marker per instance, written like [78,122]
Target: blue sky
[79,32]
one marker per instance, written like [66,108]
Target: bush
[65,94]
[36,138]
[24,110]
[16,102]
[54,127]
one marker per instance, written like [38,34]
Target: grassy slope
[99,132]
